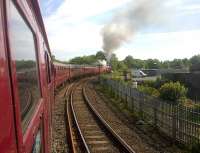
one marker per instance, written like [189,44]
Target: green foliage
[149,83]
[156,64]
[100,55]
[197,107]
[113,62]
[155,83]
[149,90]
[195,63]
[130,62]
[91,59]
[177,64]
[25,64]
[160,81]
[195,148]
[152,64]
[173,92]
[117,65]
[121,66]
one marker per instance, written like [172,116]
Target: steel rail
[79,132]
[69,123]
[29,102]
[124,146]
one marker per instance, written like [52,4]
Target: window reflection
[22,44]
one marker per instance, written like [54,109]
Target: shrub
[149,90]
[160,81]
[149,83]
[195,148]
[155,83]
[173,91]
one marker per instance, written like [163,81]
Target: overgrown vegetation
[173,92]
[149,91]
[21,64]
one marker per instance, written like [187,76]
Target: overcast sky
[74,29]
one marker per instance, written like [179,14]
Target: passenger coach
[28,78]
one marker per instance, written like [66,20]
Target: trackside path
[59,144]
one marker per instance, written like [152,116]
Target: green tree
[152,64]
[177,64]
[121,66]
[91,59]
[186,62]
[165,64]
[100,55]
[173,91]
[133,63]
[129,61]
[113,62]
[195,63]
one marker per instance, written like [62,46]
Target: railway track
[28,100]
[87,130]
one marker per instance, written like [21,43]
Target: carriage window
[22,42]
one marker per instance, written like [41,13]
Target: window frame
[28,118]
[48,67]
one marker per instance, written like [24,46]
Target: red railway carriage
[66,72]
[91,70]
[26,79]
[62,73]
[76,71]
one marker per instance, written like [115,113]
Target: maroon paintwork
[12,137]
[67,72]
[7,125]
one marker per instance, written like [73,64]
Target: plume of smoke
[126,22]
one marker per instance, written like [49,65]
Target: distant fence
[178,122]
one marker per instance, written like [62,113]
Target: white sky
[74,28]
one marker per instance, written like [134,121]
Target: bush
[155,83]
[173,91]
[149,83]
[149,90]
[195,148]
[160,81]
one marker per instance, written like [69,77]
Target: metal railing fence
[181,123]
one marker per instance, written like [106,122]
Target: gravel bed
[138,139]
[59,143]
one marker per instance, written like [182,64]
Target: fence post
[174,122]
[140,104]
[121,89]
[126,94]
[132,100]
[155,113]
[118,91]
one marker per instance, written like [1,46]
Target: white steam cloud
[124,24]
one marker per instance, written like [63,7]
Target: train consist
[67,72]
[28,78]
